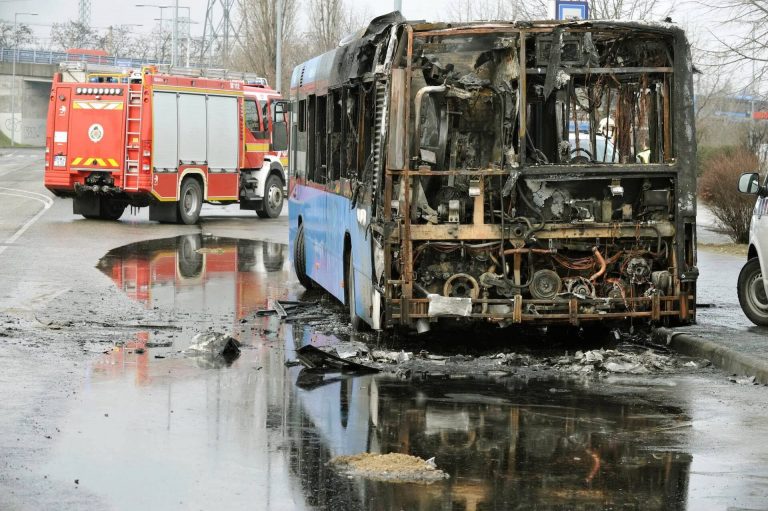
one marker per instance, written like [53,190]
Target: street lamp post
[13,72]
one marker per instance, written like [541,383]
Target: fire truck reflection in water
[194,276]
[506,444]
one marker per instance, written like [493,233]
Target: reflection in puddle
[548,444]
[159,433]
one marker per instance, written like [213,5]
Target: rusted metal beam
[488,231]
[601,70]
[433,173]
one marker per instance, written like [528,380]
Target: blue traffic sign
[571,9]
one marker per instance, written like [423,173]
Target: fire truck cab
[167,142]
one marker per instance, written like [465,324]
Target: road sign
[571,9]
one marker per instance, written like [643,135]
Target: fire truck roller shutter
[165,132]
[192,129]
[223,134]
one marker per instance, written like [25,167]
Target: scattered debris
[744,380]
[392,467]
[214,345]
[283,308]
[315,358]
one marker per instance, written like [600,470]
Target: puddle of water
[159,433]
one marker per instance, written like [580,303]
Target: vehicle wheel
[300,260]
[190,260]
[190,201]
[354,320]
[111,209]
[272,203]
[752,297]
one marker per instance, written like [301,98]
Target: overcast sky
[699,22]
[114,12]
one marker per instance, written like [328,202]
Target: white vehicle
[752,287]
[606,151]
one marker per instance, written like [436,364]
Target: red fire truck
[167,142]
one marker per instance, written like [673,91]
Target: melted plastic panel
[165,130]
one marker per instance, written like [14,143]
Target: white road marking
[47,203]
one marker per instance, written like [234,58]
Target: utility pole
[279,47]
[175,35]
[398,5]
[13,72]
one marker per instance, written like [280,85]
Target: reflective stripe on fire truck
[257,147]
[97,105]
[96,161]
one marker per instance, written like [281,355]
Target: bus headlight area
[511,172]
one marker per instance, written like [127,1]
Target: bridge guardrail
[26,56]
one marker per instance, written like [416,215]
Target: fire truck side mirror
[279,126]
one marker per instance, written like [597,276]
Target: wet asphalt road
[101,411]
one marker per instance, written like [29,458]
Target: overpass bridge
[32,85]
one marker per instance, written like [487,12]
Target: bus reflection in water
[537,172]
[506,444]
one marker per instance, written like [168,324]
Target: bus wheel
[300,259]
[354,320]
[751,293]
[272,203]
[190,201]
[111,209]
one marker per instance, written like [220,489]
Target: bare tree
[744,21]
[329,22]
[260,35]
[471,10]
[21,37]
[74,34]
[467,10]
[629,9]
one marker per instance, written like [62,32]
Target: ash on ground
[623,359]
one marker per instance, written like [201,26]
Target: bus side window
[335,141]
[302,116]
[350,129]
[311,144]
[321,139]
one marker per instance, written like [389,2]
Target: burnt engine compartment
[575,172]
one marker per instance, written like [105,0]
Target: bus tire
[190,201]
[272,202]
[751,293]
[300,259]
[111,209]
[349,285]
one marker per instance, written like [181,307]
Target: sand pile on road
[392,467]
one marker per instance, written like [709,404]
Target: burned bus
[510,172]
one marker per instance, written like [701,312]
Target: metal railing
[26,56]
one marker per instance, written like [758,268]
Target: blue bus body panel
[326,218]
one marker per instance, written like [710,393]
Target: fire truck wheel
[111,209]
[190,201]
[272,203]
[300,258]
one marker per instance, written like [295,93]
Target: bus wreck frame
[450,217]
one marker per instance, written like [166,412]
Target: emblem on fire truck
[95,132]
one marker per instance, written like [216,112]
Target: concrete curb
[727,359]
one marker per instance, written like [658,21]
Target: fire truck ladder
[133,138]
